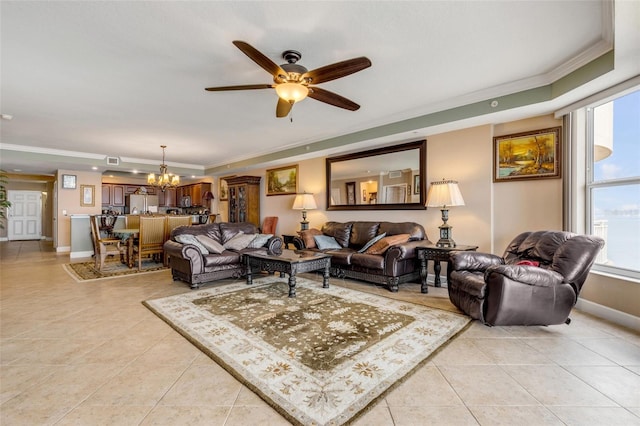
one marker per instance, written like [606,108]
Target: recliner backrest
[569,254]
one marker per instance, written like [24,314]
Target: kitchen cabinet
[167,198]
[132,189]
[113,195]
[195,192]
[244,199]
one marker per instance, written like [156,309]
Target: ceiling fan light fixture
[292,92]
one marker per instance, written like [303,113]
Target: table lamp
[304,202]
[445,194]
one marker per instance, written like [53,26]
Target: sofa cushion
[367,261]
[211,229]
[229,230]
[371,242]
[191,239]
[239,241]
[225,258]
[307,237]
[259,241]
[210,244]
[362,232]
[324,242]
[415,230]
[382,245]
[340,257]
[340,231]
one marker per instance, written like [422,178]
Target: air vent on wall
[113,161]
[395,174]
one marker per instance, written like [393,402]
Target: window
[613,183]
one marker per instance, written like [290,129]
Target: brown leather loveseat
[378,252]
[216,252]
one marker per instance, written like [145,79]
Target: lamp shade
[304,202]
[292,92]
[444,193]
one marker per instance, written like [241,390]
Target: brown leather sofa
[536,282]
[189,264]
[396,265]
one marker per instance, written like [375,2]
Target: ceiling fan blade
[332,99]
[283,108]
[260,59]
[337,70]
[242,87]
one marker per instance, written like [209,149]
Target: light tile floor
[90,353]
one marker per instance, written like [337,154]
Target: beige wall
[69,203]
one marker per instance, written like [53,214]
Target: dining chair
[269,225]
[104,246]
[150,237]
[172,222]
[132,221]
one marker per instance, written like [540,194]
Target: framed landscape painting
[282,181]
[528,155]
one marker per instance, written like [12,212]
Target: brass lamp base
[445,231]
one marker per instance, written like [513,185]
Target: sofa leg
[393,285]
[567,321]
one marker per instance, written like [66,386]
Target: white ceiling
[122,78]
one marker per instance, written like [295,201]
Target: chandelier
[164,179]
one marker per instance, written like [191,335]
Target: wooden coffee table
[289,262]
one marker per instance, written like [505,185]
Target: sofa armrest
[525,274]
[473,261]
[187,252]
[274,245]
[299,243]
[403,251]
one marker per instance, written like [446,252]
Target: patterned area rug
[86,271]
[319,359]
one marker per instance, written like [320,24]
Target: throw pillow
[324,242]
[212,245]
[191,239]
[240,241]
[372,242]
[382,245]
[260,240]
[529,262]
[307,236]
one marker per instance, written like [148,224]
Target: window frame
[591,185]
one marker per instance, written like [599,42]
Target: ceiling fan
[294,82]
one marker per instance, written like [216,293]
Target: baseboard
[4,239]
[613,315]
[79,254]
[63,249]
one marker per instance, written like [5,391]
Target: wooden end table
[436,254]
[289,262]
[288,239]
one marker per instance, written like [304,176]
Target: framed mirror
[379,179]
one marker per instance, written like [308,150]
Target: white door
[25,215]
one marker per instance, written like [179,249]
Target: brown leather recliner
[536,282]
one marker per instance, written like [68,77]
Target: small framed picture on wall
[87,195]
[69,181]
